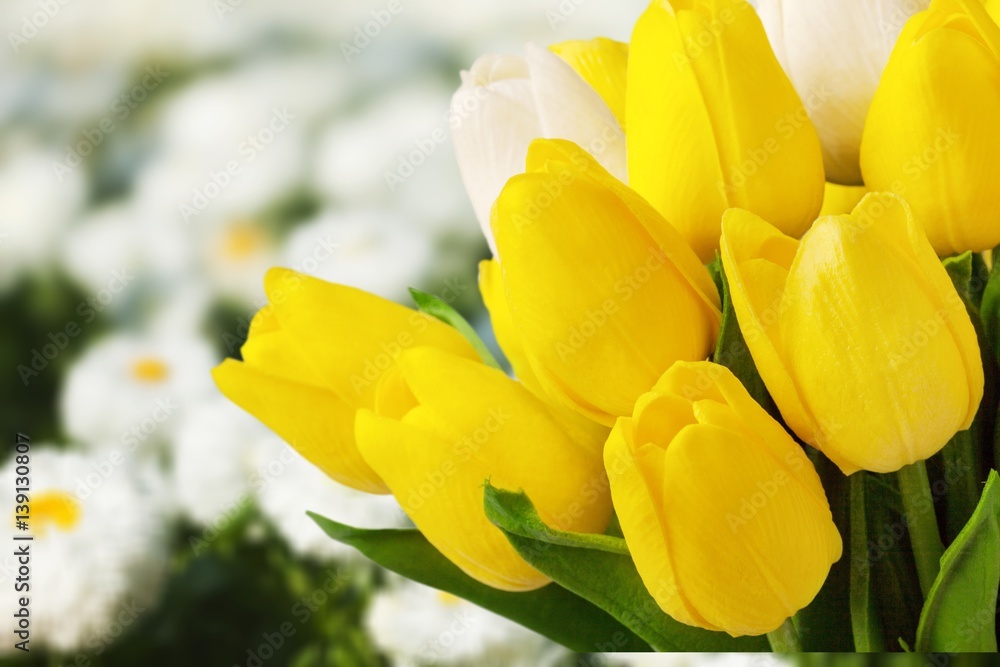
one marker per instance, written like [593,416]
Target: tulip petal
[582,276]
[603,63]
[637,490]
[502,416]
[841,199]
[568,108]
[757,257]
[443,496]
[760,527]
[931,135]
[507,335]
[315,421]
[349,336]
[492,126]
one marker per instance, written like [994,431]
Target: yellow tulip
[714,123]
[602,63]
[723,513]
[314,356]
[932,134]
[442,425]
[858,333]
[603,294]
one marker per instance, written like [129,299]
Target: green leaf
[960,612]
[437,307]
[864,620]
[732,352]
[603,577]
[989,308]
[515,510]
[550,611]
[824,625]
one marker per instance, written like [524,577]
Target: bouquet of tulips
[742,272]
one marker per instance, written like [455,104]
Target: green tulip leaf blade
[519,515]
[551,611]
[960,612]
[438,308]
[604,578]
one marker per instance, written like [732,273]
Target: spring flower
[714,123]
[442,425]
[100,538]
[835,50]
[932,135]
[858,333]
[724,515]
[314,356]
[505,102]
[603,294]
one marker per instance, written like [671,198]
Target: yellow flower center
[149,369]
[53,509]
[241,241]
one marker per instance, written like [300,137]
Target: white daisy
[219,455]
[418,625]
[374,250]
[36,205]
[130,390]
[98,551]
[289,486]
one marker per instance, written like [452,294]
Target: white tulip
[834,52]
[505,102]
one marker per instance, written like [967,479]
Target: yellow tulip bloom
[314,356]
[723,513]
[858,333]
[932,134]
[443,424]
[714,123]
[603,293]
[602,63]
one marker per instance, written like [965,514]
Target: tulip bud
[505,102]
[932,134]
[442,425]
[723,513]
[834,52]
[858,333]
[315,355]
[714,123]
[603,293]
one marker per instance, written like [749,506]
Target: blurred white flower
[378,251]
[396,149]
[220,457]
[417,625]
[506,102]
[130,390]
[290,486]
[36,205]
[834,52]
[98,552]
[235,255]
[231,143]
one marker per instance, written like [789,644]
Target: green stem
[864,621]
[918,508]
[785,639]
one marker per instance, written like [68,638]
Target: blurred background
[155,159]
